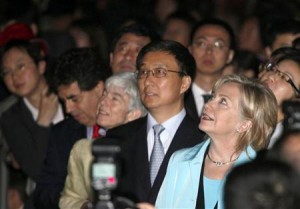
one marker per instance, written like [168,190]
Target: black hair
[182,15]
[286,53]
[81,65]
[136,29]
[265,184]
[217,22]
[33,49]
[278,26]
[182,55]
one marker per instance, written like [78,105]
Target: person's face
[284,40]
[123,58]
[165,93]
[113,108]
[81,105]
[20,74]
[222,113]
[279,86]
[177,30]
[211,49]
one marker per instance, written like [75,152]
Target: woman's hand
[145,205]
[48,108]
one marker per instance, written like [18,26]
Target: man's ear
[133,115]
[244,126]
[186,83]
[99,88]
[42,66]
[111,57]
[230,56]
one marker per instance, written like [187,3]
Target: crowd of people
[202,100]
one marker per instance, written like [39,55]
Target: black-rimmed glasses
[274,68]
[157,73]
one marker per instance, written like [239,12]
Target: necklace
[219,163]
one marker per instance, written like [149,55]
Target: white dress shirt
[199,101]
[59,116]
[171,125]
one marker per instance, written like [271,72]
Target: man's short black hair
[278,26]
[136,29]
[81,65]
[33,49]
[182,55]
[184,16]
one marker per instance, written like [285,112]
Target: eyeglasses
[18,69]
[271,67]
[156,72]
[215,46]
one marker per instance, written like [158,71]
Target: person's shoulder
[128,128]
[83,145]
[11,112]
[7,103]
[67,124]
[190,153]
[191,126]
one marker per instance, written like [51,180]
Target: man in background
[78,78]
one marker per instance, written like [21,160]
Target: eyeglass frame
[156,74]
[272,67]
[214,46]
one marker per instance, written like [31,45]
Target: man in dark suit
[165,71]
[78,78]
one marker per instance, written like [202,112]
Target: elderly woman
[238,119]
[119,104]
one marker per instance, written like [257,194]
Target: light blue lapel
[195,165]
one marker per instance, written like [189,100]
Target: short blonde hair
[258,104]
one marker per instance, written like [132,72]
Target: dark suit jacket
[190,105]
[54,171]
[27,140]
[135,181]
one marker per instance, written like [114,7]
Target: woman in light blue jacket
[238,120]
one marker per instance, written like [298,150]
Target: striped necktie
[157,154]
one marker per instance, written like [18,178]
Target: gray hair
[128,82]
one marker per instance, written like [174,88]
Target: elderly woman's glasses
[274,68]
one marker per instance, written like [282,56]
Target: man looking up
[212,46]
[126,46]
[165,71]
[78,78]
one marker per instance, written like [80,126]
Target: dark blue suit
[135,181]
[54,171]
[190,105]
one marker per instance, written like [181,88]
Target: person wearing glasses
[165,71]
[25,126]
[282,75]
[212,45]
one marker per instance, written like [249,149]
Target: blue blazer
[51,179]
[180,186]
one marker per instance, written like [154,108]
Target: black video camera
[105,174]
[291,110]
